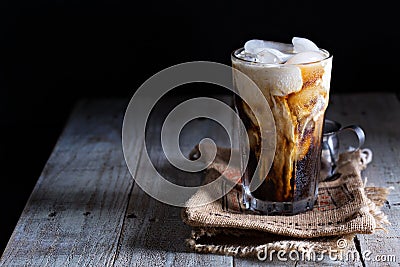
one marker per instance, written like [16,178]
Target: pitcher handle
[358,131]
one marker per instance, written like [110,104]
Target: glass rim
[334,127]
[236,51]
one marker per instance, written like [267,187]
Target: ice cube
[306,57]
[304,45]
[265,56]
[254,46]
[279,57]
[247,56]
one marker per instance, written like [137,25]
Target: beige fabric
[344,208]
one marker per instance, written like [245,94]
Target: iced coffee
[295,80]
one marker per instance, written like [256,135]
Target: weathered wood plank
[153,232]
[154,235]
[379,115]
[76,210]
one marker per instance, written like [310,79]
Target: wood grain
[75,212]
[153,233]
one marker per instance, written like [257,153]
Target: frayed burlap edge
[376,197]
[304,246]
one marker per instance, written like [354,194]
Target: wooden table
[86,210]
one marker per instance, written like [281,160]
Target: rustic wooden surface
[85,209]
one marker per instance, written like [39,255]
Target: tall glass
[298,96]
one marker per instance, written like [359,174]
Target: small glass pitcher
[330,146]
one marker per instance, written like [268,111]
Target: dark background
[55,52]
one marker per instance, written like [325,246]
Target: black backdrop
[54,52]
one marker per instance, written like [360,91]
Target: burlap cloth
[345,207]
